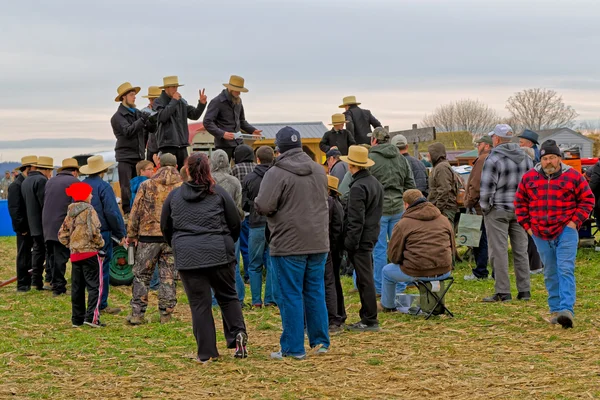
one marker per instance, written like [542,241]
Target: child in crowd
[80,232]
[145,170]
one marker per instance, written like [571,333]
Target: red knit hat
[79,191]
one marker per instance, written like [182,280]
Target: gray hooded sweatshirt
[221,172]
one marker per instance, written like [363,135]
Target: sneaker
[165,318]
[110,310]
[47,286]
[472,277]
[279,356]
[524,296]
[565,319]
[536,271]
[498,297]
[320,350]
[336,328]
[210,360]
[137,320]
[554,318]
[241,340]
[98,324]
[77,325]
[360,327]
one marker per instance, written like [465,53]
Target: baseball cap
[399,140]
[502,130]
[485,139]
[379,134]
[333,153]
[168,160]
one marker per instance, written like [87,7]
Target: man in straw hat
[293,196]
[33,189]
[56,203]
[18,214]
[337,137]
[225,116]
[104,202]
[334,296]
[358,120]
[363,212]
[173,111]
[151,146]
[130,127]
[4,184]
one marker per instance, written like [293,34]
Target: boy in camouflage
[144,232]
[80,232]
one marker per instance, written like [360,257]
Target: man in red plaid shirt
[551,203]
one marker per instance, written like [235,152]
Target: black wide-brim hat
[530,135]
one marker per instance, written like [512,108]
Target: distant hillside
[463,139]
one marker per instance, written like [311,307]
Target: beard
[549,169]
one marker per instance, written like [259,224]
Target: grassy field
[505,351]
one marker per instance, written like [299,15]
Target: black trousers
[535,262]
[180,152]
[24,246]
[363,266]
[38,257]
[334,296]
[197,284]
[85,274]
[126,173]
[58,255]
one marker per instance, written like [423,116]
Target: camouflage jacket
[80,231]
[144,218]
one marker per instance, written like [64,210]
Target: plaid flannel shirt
[242,169]
[501,175]
[547,204]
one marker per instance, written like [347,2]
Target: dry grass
[487,351]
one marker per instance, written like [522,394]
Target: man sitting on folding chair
[420,249]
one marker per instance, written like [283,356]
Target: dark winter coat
[16,206]
[201,227]
[104,202]
[594,185]
[250,189]
[443,186]
[33,188]
[225,116]
[363,212]
[56,203]
[293,195]
[130,130]
[172,117]
[359,123]
[419,172]
[336,225]
[341,139]
[393,172]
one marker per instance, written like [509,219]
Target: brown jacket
[80,231]
[144,219]
[422,242]
[442,182]
[474,184]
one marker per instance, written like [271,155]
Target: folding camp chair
[431,301]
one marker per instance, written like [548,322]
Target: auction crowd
[377,209]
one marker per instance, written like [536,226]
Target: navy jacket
[130,129]
[32,189]
[225,116]
[250,188]
[56,203]
[16,206]
[104,202]
[172,116]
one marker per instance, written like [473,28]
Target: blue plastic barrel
[5,221]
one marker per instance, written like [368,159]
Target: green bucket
[121,272]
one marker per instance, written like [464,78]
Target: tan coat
[474,184]
[80,231]
[443,187]
[422,242]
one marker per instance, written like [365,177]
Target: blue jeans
[244,239]
[558,256]
[108,249]
[380,251]
[392,276]
[155,281]
[301,298]
[259,254]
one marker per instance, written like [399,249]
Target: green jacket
[393,171]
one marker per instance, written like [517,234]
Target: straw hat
[153,92]
[26,161]
[359,156]
[348,101]
[170,81]
[44,163]
[124,88]
[333,183]
[95,164]
[337,119]
[69,163]
[236,83]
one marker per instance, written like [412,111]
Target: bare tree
[589,127]
[540,109]
[463,115]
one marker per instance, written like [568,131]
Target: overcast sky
[62,61]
